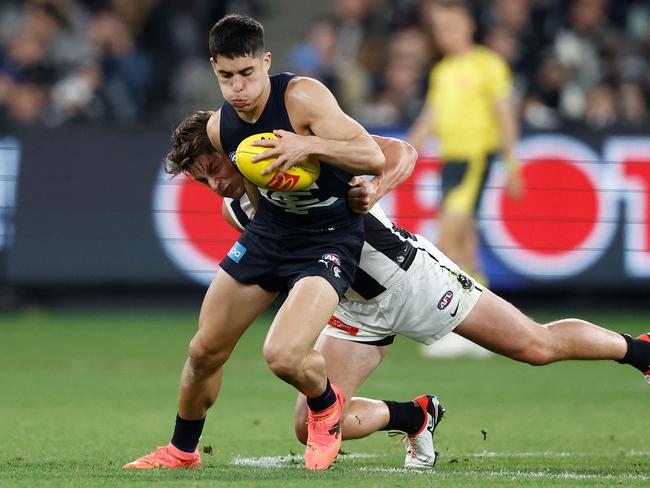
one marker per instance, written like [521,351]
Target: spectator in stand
[125,68]
[317,57]
[541,105]
[588,49]
[600,113]
[633,104]
[402,83]
[511,31]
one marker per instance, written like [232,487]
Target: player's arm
[400,161]
[238,213]
[253,193]
[336,138]
[228,217]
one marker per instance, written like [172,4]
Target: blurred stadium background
[89,93]
[90,90]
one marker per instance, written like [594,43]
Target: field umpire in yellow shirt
[469,107]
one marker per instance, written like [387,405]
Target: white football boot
[420,452]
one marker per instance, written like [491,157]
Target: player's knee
[537,352]
[206,357]
[282,362]
[538,357]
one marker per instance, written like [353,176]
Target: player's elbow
[409,157]
[376,163]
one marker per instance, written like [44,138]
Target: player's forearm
[253,193]
[400,161]
[359,155]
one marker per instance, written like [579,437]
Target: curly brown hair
[189,141]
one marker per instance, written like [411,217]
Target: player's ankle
[405,416]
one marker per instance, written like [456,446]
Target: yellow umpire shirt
[462,90]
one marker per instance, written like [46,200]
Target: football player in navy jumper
[306,243]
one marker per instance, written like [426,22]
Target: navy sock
[405,416]
[322,401]
[638,354]
[187,434]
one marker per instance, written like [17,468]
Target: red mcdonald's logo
[283,182]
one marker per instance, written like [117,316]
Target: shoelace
[319,419]
[403,438]
[162,452]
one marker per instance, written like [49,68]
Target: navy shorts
[276,261]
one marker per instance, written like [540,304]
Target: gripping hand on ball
[288,149]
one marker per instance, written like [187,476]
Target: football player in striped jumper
[405,286]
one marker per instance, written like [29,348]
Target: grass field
[83,393]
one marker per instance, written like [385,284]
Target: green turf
[81,394]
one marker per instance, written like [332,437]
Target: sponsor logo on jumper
[299,201]
[339,324]
[283,182]
[236,252]
[445,300]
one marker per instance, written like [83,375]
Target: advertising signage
[95,208]
[583,216]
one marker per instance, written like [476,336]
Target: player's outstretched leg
[167,456]
[324,433]
[500,327]
[420,451]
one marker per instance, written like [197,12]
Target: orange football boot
[324,434]
[169,457]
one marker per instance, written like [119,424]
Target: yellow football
[298,177]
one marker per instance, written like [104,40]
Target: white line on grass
[556,454]
[284,461]
[565,475]
[296,461]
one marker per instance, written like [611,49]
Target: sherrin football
[298,177]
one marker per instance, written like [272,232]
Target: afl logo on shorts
[187,218]
[445,300]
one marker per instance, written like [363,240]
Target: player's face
[216,172]
[452,29]
[243,80]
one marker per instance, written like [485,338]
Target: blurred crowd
[574,62]
[111,62]
[121,62]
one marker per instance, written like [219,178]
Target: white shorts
[431,300]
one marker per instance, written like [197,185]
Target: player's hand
[361,195]
[288,149]
[515,184]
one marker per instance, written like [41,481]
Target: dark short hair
[189,141]
[236,35]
